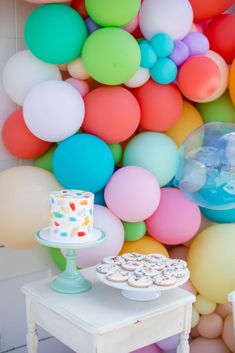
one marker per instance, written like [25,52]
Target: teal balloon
[55,33]
[148,55]
[162,44]
[99,198]
[219,216]
[84,162]
[155,152]
[164,71]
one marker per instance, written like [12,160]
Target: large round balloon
[111,113]
[58,41]
[232,82]
[84,162]
[214,345]
[173,17]
[19,141]
[205,10]
[219,216]
[211,273]
[53,110]
[155,152]
[161,105]
[206,166]
[145,245]
[210,326]
[111,56]
[112,13]
[132,194]
[24,204]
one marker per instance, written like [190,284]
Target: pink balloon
[130,27]
[223,310]
[113,228]
[210,326]
[152,348]
[169,343]
[179,252]
[204,345]
[176,220]
[132,194]
[227,334]
[81,86]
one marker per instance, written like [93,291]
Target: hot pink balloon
[176,220]
[132,194]
[81,86]
[152,348]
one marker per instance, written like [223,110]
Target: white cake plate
[141,294]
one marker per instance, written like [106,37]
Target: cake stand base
[71,285]
[140,296]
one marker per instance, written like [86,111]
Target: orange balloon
[210,326]
[161,105]
[145,245]
[227,334]
[190,119]
[206,9]
[111,113]
[19,141]
[232,82]
[198,78]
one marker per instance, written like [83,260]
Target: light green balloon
[134,231]
[222,109]
[111,56]
[114,13]
[155,152]
[116,150]
[45,161]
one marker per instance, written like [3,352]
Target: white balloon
[53,110]
[174,17]
[23,71]
[139,79]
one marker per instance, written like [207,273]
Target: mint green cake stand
[71,281]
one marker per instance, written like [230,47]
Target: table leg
[183,346]
[32,338]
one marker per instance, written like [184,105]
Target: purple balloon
[180,52]
[169,343]
[152,348]
[91,25]
[197,43]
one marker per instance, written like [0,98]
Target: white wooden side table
[102,321]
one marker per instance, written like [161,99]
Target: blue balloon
[162,44]
[219,216]
[83,162]
[91,25]
[99,198]
[148,55]
[164,71]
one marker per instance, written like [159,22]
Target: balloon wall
[134,101]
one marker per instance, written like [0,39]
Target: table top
[103,308]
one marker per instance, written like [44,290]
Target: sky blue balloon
[162,44]
[83,162]
[164,71]
[148,55]
[99,198]
[219,216]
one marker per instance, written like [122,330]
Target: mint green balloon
[113,13]
[58,258]
[155,152]
[45,161]
[134,231]
[116,150]
[111,55]
[55,33]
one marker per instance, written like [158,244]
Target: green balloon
[55,33]
[45,161]
[116,150]
[113,13]
[58,258]
[221,109]
[111,56]
[134,231]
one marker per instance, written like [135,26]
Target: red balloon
[19,141]
[198,78]
[80,7]
[206,9]
[111,113]
[221,35]
[161,105]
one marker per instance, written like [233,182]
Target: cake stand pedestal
[71,281]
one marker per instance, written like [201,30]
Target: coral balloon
[20,215]
[111,113]
[189,120]
[232,82]
[228,333]
[198,78]
[145,245]
[205,258]
[132,193]
[210,326]
[176,219]
[215,345]
[204,10]
[161,105]
[19,141]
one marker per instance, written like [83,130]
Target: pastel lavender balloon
[197,43]
[169,343]
[180,52]
[91,25]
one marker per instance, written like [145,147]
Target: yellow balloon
[189,120]
[211,261]
[145,245]
[24,204]
[204,306]
[232,82]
